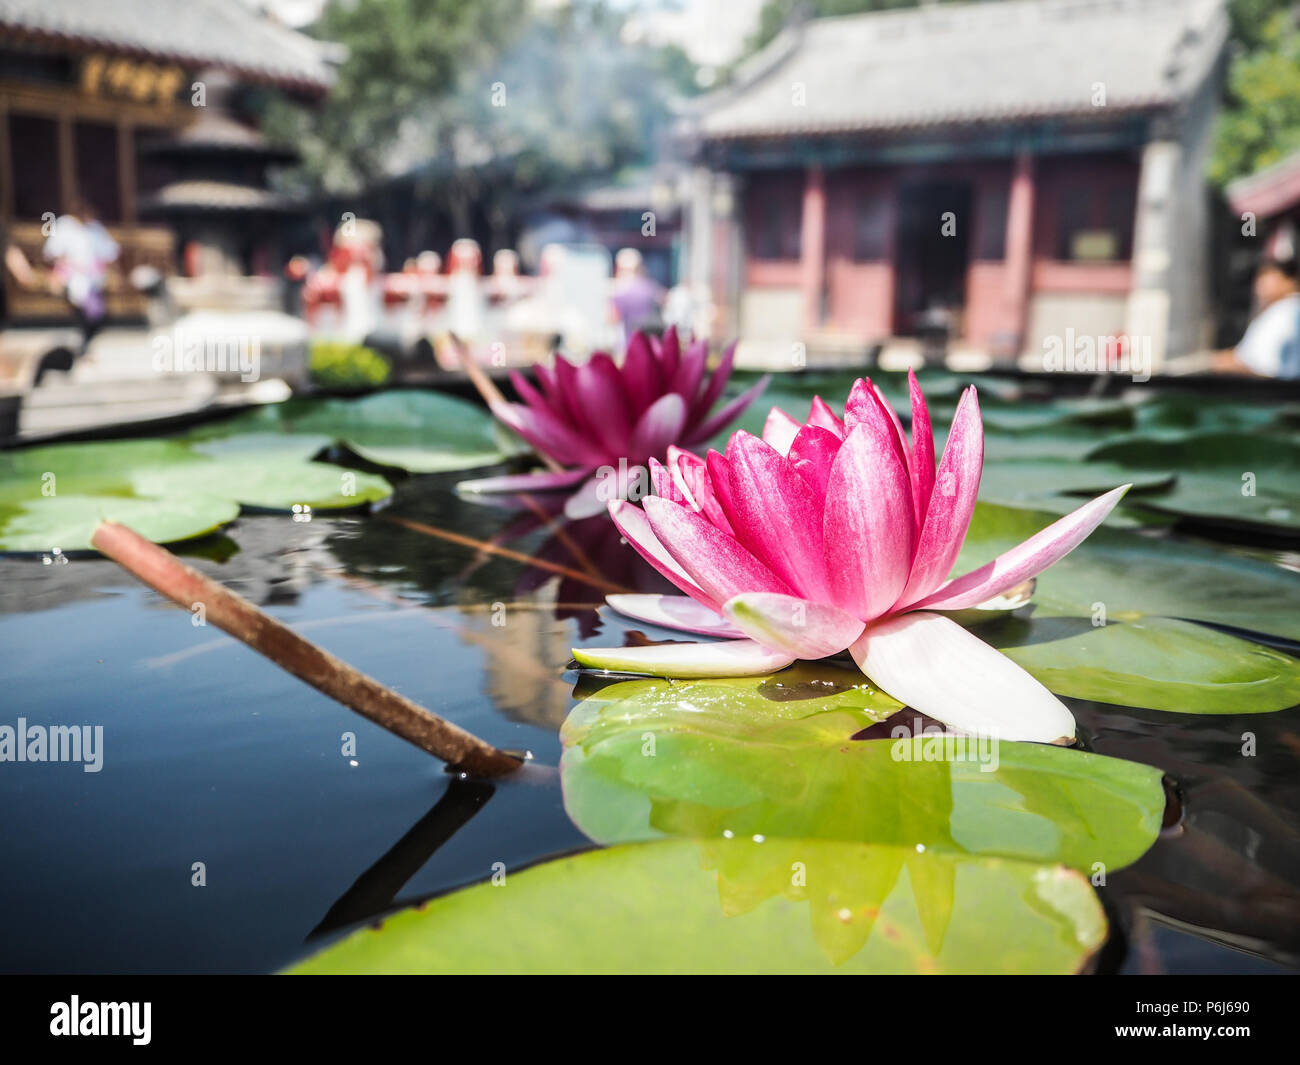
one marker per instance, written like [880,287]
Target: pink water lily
[602,416]
[840,534]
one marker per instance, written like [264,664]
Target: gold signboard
[131,79]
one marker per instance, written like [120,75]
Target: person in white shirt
[1271,346]
[81,250]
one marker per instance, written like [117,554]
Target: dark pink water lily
[840,534]
[603,422]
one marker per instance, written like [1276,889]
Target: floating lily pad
[266,485]
[718,759]
[1153,662]
[1021,482]
[421,432]
[797,906]
[164,489]
[67,521]
[1238,479]
[1132,576]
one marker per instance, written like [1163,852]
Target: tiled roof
[1269,191]
[219,33]
[994,61]
[212,196]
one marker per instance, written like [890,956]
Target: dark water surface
[213,755]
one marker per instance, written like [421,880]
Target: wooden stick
[186,587]
[487,388]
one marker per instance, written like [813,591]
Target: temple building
[130,106]
[1016,170]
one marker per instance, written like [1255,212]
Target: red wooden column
[812,246]
[1020,249]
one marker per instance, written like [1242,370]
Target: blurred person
[506,283]
[358,260]
[637,299]
[465,300]
[82,251]
[15,266]
[1271,346]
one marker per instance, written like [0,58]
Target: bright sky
[711,32]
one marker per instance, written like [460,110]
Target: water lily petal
[951,505]
[670,353]
[866,406]
[691,479]
[812,454]
[548,434]
[641,377]
[727,413]
[534,399]
[935,666]
[634,526]
[574,411]
[659,426]
[724,658]
[605,405]
[796,626]
[718,563]
[892,415]
[717,384]
[719,471]
[665,485]
[1027,559]
[609,483]
[922,464]
[822,416]
[690,373]
[867,522]
[679,612]
[780,430]
[777,515]
[540,481]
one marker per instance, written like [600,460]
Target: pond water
[212,755]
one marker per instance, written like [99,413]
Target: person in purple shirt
[637,299]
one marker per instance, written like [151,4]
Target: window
[871,229]
[97,173]
[1095,222]
[775,217]
[34,149]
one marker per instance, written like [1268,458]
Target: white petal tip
[725,658]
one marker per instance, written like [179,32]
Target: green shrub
[339,365]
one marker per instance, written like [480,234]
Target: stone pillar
[1019,254]
[812,254]
[1147,320]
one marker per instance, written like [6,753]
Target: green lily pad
[1021,482]
[712,759]
[164,489]
[800,906]
[421,432]
[68,521]
[1237,479]
[265,484]
[1153,662]
[1132,576]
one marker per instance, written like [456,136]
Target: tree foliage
[555,92]
[1260,121]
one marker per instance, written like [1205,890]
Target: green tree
[555,94]
[1260,121]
